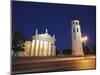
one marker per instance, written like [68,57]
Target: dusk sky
[29,16]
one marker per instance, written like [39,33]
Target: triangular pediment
[44,36]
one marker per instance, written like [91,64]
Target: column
[32,47]
[37,46]
[49,50]
[53,50]
[45,48]
[41,48]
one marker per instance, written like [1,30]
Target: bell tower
[77,48]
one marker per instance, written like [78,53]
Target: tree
[17,41]
[57,52]
[86,49]
[94,49]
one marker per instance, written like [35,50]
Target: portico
[43,45]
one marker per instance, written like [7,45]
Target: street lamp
[84,42]
[84,39]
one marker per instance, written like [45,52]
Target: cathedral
[44,44]
[41,45]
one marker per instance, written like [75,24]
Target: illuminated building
[41,45]
[77,48]
[26,47]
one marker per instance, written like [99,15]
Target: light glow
[49,51]
[37,48]
[45,48]
[32,49]
[41,48]
[84,39]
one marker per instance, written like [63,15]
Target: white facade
[77,48]
[41,45]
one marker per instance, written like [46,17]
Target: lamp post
[84,39]
[84,42]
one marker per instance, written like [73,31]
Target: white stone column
[54,50]
[51,49]
[33,52]
[32,48]
[39,49]
[43,49]
[48,48]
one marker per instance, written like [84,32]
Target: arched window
[74,30]
[76,23]
[77,29]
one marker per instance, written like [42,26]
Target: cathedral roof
[44,36]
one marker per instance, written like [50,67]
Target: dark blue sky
[29,16]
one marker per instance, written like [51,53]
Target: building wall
[26,52]
[42,48]
[39,46]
